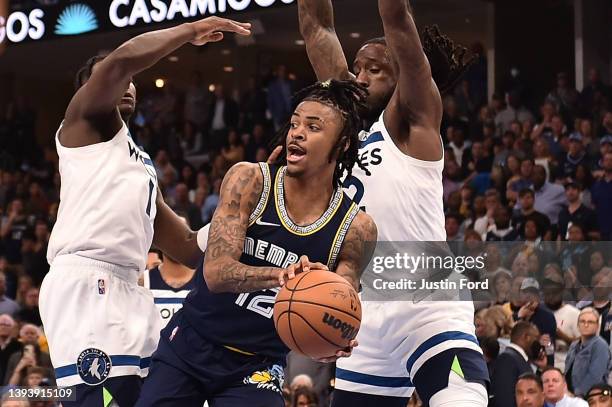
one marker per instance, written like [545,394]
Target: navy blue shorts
[124,390]
[187,370]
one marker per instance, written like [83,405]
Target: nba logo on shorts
[101,287]
[93,366]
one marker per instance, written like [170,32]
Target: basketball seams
[317,332]
[317,285]
[321,305]
[289,316]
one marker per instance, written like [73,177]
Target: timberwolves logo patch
[93,366]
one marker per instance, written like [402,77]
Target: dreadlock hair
[348,98]
[84,73]
[447,60]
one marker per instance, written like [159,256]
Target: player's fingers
[275,154]
[343,354]
[233,26]
[304,263]
[319,266]
[353,343]
[281,278]
[291,272]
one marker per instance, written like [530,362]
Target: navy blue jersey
[243,322]
[167,298]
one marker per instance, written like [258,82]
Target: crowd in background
[517,169]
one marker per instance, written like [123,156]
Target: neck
[172,270]
[307,197]
[555,400]
[585,338]
[528,211]
[574,205]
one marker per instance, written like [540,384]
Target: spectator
[563,96]
[555,390]
[599,395]
[502,231]
[279,97]
[490,350]
[576,212]
[302,371]
[502,282]
[305,397]
[7,305]
[588,358]
[529,391]
[602,196]
[574,157]
[513,111]
[13,226]
[210,204]
[253,105]
[29,313]
[184,205]
[523,181]
[513,362]
[31,355]
[477,159]
[593,87]
[484,222]
[452,225]
[542,156]
[606,123]
[566,315]
[549,198]
[527,212]
[223,115]
[605,146]
[233,152]
[8,343]
[196,102]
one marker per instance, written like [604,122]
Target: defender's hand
[211,29]
[274,156]
[344,353]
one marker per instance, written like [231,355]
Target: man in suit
[513,362]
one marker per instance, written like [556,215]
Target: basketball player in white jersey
[429,345]
[169,282]
[101,326]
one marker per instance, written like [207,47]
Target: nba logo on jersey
[101,287]
[93,366]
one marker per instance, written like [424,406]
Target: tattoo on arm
[240,193]
[357,249]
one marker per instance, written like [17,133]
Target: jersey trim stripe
[373,138]
[340,235]
[265,194]
[281,210]
[372,380]
[116,360]
[436,340]
[175,300]
[243,352]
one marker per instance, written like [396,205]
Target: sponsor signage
[71,18]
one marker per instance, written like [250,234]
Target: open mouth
[127,100]
[295,153]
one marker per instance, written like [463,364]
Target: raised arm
[415,109]
[96,101]
[322,44]
[357,249]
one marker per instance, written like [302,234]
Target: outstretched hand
[211,29]
[275,154]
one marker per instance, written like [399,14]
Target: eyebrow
[317,118]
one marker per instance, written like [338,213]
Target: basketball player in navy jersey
[101,326]
[272,222]
[430,345]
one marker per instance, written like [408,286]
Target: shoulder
[242,174]
[363,228]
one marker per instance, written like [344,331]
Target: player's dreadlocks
[447,59]
[84,73]
[348,98]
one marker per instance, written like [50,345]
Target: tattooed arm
[322,44]
[356,252]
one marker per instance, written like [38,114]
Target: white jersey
[402,194]
[168,299]
[107,202]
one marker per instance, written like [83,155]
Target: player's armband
[203,237]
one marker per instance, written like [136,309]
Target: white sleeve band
[203,237]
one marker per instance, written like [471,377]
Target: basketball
[317,313]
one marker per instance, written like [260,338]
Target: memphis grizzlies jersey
[167,299]
[402,194]
[243,322]
[107,202]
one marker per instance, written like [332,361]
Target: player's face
[313,133]
[528,394]
[373,67]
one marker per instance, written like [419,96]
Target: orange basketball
[317,313]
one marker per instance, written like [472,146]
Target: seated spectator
[184,205]
[29,313]
[457,143]
[502,283]
[527,212]
[490,350]
[35,376]
[555,390]
[233,151]
[14,224]
[514,111]
[477,159]
[525,180]
[566,315]
[564,96]
[605,146]
[602,196]
[492,202]
[542,156]
[576,212]
[7,305]
[549,198]
[305,397]
[31,355]
[576,155]
[513,362]
[210,204]
[588,358]
[453,227]
[502,230]
[8,343]
[599,395]
[529,391]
